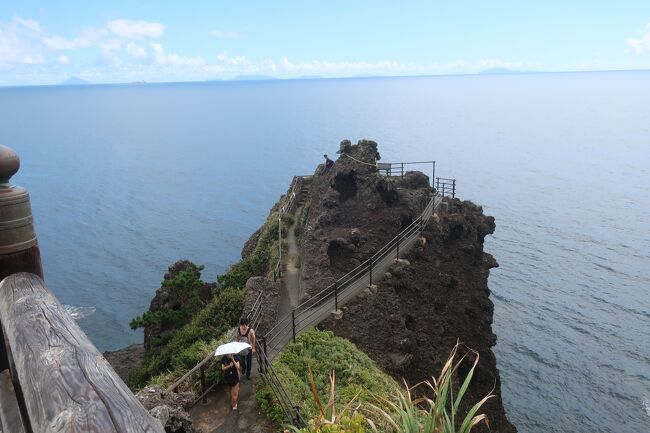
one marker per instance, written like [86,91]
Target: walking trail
[216,416]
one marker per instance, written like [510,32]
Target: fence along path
[322,304]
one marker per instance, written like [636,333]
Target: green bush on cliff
[185,347]
[323,352]
[263,258]
[182,290]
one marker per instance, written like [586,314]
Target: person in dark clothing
[230,368]
[245,334]
[328,164]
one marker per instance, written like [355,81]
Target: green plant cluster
[263,258]
[182,290]
[357,375]
[187,346]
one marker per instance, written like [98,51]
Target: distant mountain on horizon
[73,81]
[495,71]
[253,78]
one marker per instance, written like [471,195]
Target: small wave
[646,405]
[79,312]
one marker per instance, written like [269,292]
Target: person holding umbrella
[230,367]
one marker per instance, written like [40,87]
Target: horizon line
[315,77]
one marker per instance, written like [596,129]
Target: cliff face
[422,307]
[352,211]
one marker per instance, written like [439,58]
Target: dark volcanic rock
[352,212]
[164,300]
[126,361]
[169,408]
[424,305]
[270,299]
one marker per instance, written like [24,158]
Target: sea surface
[127,179]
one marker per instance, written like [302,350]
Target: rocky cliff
[424,305]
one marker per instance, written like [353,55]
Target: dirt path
[216,416]
[291,288]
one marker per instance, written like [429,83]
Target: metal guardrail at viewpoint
[190,380]
[394,169]
[446,187]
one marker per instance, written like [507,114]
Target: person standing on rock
[328,164]
[230,368]
[245,334]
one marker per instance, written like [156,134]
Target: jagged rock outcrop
[270,299]
[168,299]
[353,211]
[126,361]
[168,408]
[437,296]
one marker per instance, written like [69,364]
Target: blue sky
[123,41]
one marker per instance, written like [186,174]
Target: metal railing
[287,206]
[197,375]
[446,187]
[394,169]
[321,304]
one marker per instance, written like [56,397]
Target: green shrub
[357,376]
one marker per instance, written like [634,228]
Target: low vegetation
[199,327]
[368,400]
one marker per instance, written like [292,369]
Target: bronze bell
[19,250]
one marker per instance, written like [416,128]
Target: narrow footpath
[291,287]
[216,416]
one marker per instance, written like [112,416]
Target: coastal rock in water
[424,308]
[126,361]
[169,408]
[166,299]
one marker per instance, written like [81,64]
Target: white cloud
[130,29]
[87,38]
[20,43]
[642,44]
[63,60]
[136,51]
[174,59]
[225,34]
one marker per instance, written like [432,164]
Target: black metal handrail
[446,187]
[393,169]
[319,305]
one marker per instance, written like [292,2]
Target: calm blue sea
[127,179]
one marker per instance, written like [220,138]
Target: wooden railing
[52,378]
[197,375]
[61,382]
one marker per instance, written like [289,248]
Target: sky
[126,41]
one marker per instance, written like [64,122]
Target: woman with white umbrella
[230,367]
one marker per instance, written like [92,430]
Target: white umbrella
[231,348]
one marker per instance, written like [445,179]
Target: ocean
[127,179]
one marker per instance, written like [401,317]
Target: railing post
[421,227]
[204,399]
[443,189]
[293,324]
[19,250]
[336,296]
[398,240]
[265,358]
[371,263]
[453,188]
[433,172]
[402,169]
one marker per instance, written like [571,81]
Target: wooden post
[19,250]
[64,383]
[205,397]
